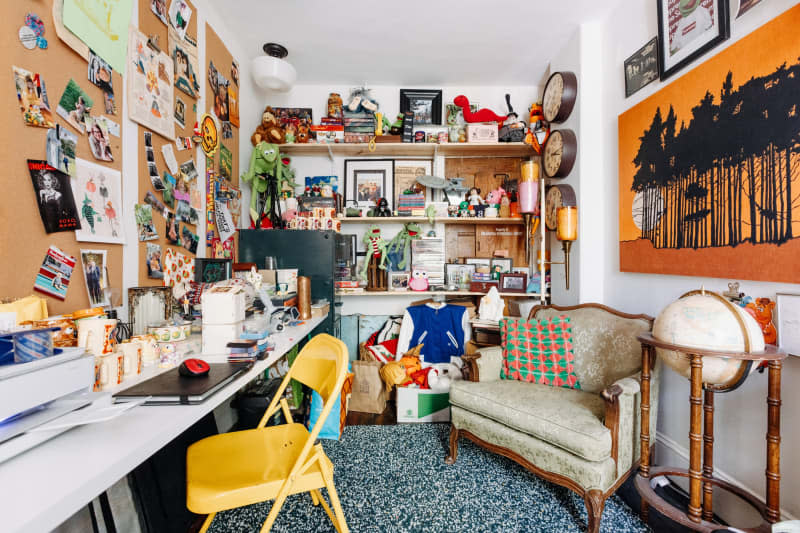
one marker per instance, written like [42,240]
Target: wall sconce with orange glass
[567,232]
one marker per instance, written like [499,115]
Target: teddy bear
[303,134]
[269,130]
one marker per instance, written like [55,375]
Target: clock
[558,155]
[557,196]
[559,97]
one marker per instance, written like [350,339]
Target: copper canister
[304,297]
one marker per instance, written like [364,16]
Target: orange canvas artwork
[709,166]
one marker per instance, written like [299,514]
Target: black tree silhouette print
[728,176]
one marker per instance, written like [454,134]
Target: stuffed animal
[494,197]
[514,128]
[264,161]
[481,115]
[269,130]
[761,310]
[539,130]
[419,281]
[303,135]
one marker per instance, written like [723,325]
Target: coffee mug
[97,335]
[108,370]
[132,351]
[150,348]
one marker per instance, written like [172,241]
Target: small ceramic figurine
[474,197]
[382,209]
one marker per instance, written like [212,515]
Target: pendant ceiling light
[272,71]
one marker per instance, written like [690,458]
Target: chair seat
[568,418]
[245,467]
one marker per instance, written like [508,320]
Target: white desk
[46,485]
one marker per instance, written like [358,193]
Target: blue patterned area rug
[393,478]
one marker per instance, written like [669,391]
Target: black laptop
[170,388]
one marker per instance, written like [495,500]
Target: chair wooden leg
[207,523]
[451,459]
[595,502]
[341,523]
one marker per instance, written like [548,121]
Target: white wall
[740,416]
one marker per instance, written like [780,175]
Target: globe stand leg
[695,438]
[708,454]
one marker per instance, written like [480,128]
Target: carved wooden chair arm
[611,395]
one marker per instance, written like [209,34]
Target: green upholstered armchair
[586,440]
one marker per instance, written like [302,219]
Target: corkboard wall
[217,52]
[23,241]
[151,25]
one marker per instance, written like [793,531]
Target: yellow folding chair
[245,467]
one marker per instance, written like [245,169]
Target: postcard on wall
[219,90]
[180,112]
[54,196]
[100,73]
[235,72]
[32,96]
[99,142]
[144,222]
[179,15]
[189,240]
[54,274]
[233,105]
[155,203]
[172,231]
[95,274]
[225,162]
[112,127]
[188,170]
[169,158]
[155,268]
[168,194]
[102,25]
[99,191]
[184,57]
[159,9]
[150,91]
[74,105]
[61,146]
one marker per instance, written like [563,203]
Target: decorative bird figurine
[481,115]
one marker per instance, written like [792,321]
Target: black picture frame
[668,68]
[409,96]
[513,282]
[211,270]
[382,167]
[642,68]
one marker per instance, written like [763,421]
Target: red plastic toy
[481,115]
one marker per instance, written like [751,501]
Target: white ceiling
[431,42]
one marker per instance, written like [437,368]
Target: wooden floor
[387,418]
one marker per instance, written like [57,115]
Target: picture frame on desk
[500,266]
[368,180]
[406,172]
[458,275]
[513,282]
[398,281]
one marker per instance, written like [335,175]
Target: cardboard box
[422,405]
[478,132]
[223,305]
[320,309]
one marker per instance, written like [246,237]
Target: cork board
[151,25]
[23,241]
[217,52]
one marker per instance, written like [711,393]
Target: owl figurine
[419,280]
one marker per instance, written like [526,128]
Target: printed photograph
[180,112]
[99,142]
[179,15]
[172,231]
[369,185]
[100,73]
[54,274]
[159,9]
[96,277]
[54,195]
[74,105]
[155,268]
[32,97]
[184,58]
[144,222]
[189,240]
[61,146]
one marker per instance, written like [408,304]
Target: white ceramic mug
[108,370]
[132,356]
[150,349]
[97,335]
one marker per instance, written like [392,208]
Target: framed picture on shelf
[483,265]
[406,172]
[513,282]
[398,281]
[426,104]
[687,30]
[368,180]
[642,67]
[458,275]
[501,265]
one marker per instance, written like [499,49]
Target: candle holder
[567,233]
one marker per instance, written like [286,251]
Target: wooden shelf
[411,149]
[422,294]
[424,220]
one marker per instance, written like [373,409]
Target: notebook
[170,388]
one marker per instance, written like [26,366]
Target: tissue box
[422,405]
[481,133]
[223,305]
[217,336]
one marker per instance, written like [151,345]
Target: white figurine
[491,308]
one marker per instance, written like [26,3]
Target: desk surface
[46,485]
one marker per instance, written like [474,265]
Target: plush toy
[419,281]
[376,247]
[264,162]
[269,130]
[514,129]
[303,135]
[539,130]
[402,241]
[761,310]
[361,101]
[474,197]
[291,210]
[290,133]
[481,115]
[494,197]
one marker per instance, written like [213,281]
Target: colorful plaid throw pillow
[538,351]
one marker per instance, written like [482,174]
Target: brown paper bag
[369,393]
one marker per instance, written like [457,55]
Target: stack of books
[242,351]
[358,127]
[428,254]
[407,203]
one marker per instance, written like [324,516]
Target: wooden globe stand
[701,440]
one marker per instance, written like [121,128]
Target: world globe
[706,320]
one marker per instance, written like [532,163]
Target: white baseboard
[683,452]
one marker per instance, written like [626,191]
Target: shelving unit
[411,149]
[438,220]
[421,294]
